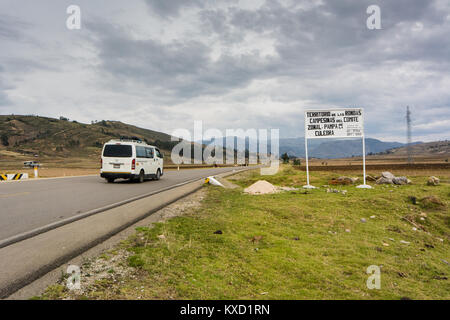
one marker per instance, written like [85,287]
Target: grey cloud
[336,31]
[171,8]
[11,28]
[323,56]
[313,45]
[4,100]
[216,22]
[181,69]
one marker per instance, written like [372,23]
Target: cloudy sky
[161,64]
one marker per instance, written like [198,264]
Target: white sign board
[334,123]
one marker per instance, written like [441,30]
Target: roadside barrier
[13,176]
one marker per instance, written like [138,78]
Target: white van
[131,159]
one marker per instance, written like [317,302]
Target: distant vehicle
[31,164]
[131,159]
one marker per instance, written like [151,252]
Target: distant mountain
[324,148]
[334,148]
[349,148]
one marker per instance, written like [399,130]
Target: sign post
[308,186]
[335,123]
[364,185]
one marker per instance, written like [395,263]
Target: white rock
[261,187]
[387,175]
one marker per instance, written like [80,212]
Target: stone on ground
[387,175]
[433,181]
[384,180]
[389,178]
[401,180]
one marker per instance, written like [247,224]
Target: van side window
[140,152]
[158,153]
[149,152]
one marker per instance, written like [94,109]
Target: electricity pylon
[408,134]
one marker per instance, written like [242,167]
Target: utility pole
[408,134]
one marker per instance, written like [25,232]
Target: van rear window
[117,151]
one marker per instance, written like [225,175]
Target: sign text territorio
[335,123]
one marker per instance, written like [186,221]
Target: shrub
[432,202]
[5,139]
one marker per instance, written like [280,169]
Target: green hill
[34,135]
[436,148]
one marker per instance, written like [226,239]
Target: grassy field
[290,245]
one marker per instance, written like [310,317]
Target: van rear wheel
[110,180]
[158,175]
[141,177]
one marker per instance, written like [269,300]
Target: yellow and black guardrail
[13,176]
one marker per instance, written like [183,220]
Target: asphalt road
[26,205]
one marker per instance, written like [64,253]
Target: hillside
[437,148]
[33,135]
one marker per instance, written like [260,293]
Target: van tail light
[133,164]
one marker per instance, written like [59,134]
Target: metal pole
[364,185]
[308,186]
[364,158]
[307,164]
[408,134]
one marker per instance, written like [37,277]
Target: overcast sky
[161,64]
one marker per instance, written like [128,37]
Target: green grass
[293,245]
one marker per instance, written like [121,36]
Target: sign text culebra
[334,123]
